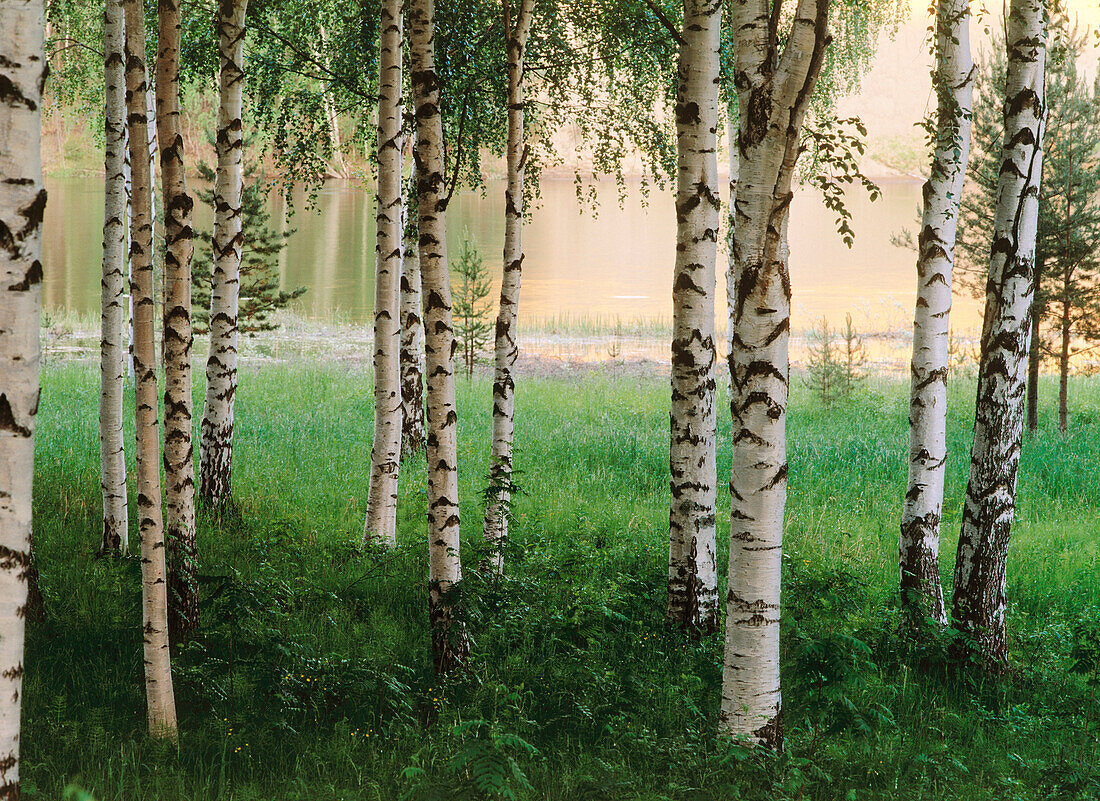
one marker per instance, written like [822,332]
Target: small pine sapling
[471,305]
[855,358]
[825,372]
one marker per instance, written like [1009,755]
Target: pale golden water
[582,265]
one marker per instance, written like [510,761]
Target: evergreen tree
[260,292]
[472,307]
[1066,310]
[825,369]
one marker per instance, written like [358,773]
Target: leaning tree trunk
[919,559]
[112,450]
[154,595]
[449,644]
[774,89]
[23,69]
[216,443]
[412,332]
[381,523]
[495,530]
[179,467]
[978,604]
[692,574]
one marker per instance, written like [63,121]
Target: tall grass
[312,677]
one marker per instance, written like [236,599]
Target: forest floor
[311,677]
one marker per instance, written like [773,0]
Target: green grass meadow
[312,679]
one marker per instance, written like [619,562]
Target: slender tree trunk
[1033,352]
[179,466]
[1063,361]
[693,423]
[381,523]
[919,559]
[158,663]
[449,644]
[731,260]
[497,510]
[216,444]
[412,332]
[112,453]
[774,89]
[23,68]
[978,604]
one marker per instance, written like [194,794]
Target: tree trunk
[412,333]
[23,69]
[499,503]
[1033,352]
[179,467]
[731,261]
[692,574]
[216,445]
[1063,361]
[774,89]
[380,526]
[112,450]
[919,559]
[978,604]
[449,645]
[158,664]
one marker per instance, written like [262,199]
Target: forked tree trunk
[449,644]
[179,466]
[216,444]
[774,89]
[154,592]
[978,604]
[919,559]
[113,303]
[412,332]
[495,530]
[692,573]
[23,68]
[380,526]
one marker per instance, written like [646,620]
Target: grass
[312,677]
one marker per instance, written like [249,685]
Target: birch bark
[449,644]
[978,602]
[919,563]
[160,700]
[112,450]
[495,530]
[381,523]
[179,467]
[412,331]
[216,443]
[774,88]
[693,423]
[23,69]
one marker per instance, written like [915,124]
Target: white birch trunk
[216,443]
[692,573]
[412,331]
[112,454]
[495,530]
[22,204]
[919,561]
[179,466]
[978,603]
[158,664]
[449,645]
[774,89]
[380,526]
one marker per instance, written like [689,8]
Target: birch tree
[161,705]
[381,521]
[179,468]
[113,302]
[978,603]
[22,203]
[216,443]
[412,331]
[774,87]
[692,574]
[449,644]
[516,31]
[921,592]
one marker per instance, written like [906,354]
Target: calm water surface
[611,263]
